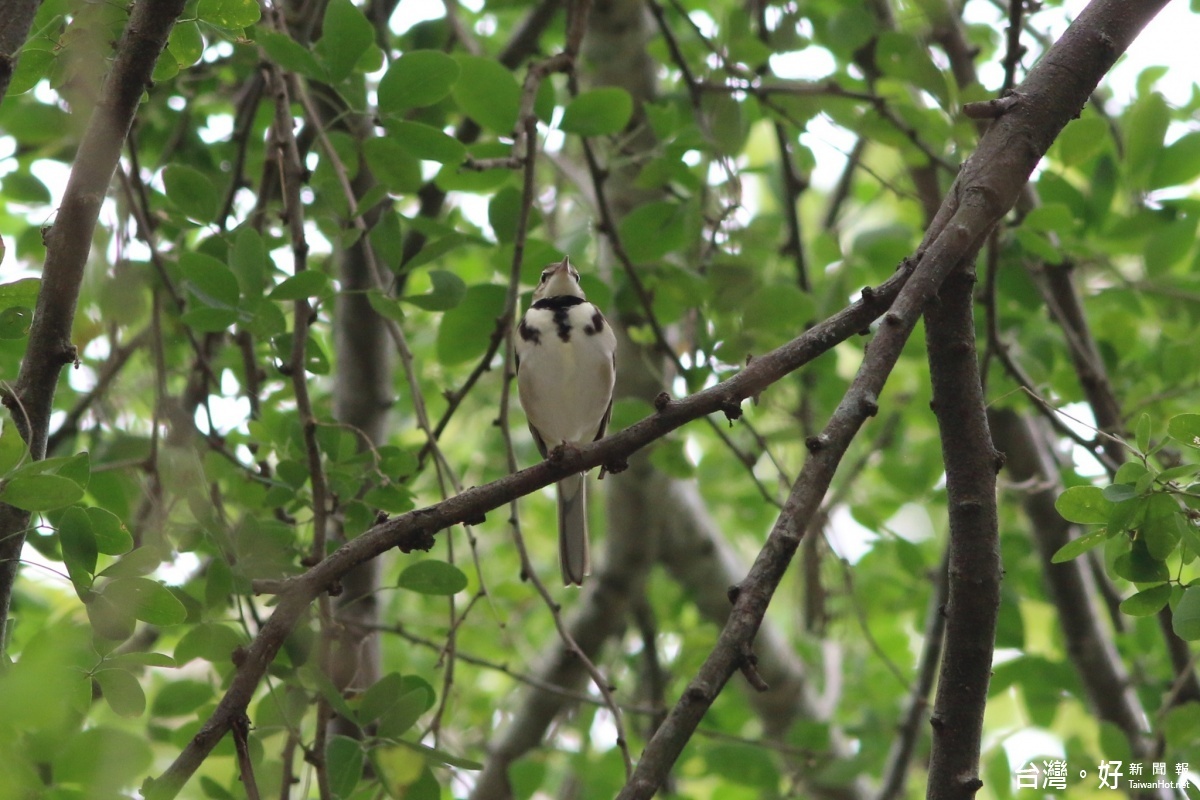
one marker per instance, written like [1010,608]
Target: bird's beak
[563,265]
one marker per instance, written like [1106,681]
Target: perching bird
[566,365]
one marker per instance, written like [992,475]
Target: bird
[566,369]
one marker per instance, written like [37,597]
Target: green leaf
[135,563]
[465,329]
[385,306]
[209,282]
[441,756]
[79,548]
[209,641]
[192,192]
[399,718]
[652,230]
[433,577]
[1147,601]
[304,284]
[103,759]
[598,112]
[15,322]
[1185,619]
[390,498]
[380,697]
[1185,428]
[112,537]
[416,79]
[1160,530]
[448,291]
[232,14]
[210,320]
[12,449]
[185,43]
[146,600]
[1139,566]
[344,761]
[488,93]
[1079,546]
[345,36]
[1084,504]
[1118,492]
[289,54]
[1143,433]
[392,165]
[1146,125]
[122,692]
[427,142]
[249,261]
[23,292]
[1179,163]
[40,492]
[181,697]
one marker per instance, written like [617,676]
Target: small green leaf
[441,756]
[289,54]
[12,449]
[232,14]
[1185,618]
[345,36]
[209,320]
[192,192]
[209,282]
[1079,545]
[1083,504]
[416,79]
[465,330]
[652,230]
[146,600]
[248,261]
[488,93]
[181,697]
[78,544]
[390,498]
[598,112]
[1118,492]
[433,577]
[1147,601]
[1143,433]
[112,537]
[427,142]
[135,563]
[15,322]
[209,641]
[102,756]
[385,306]
[1185,429]
[122,692]
[185,43]
[40,492]
[380,697]
[448,290]
[304,284]
[404,713]
[344,762]
[1139,566]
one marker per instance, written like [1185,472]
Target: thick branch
[973,565]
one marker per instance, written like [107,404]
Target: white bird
[566,365]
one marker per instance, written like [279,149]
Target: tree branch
[68,244]
[973,563]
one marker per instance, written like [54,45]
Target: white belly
[566,387]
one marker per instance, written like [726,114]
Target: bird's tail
[572,529]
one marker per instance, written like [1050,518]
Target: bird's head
[558,280]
